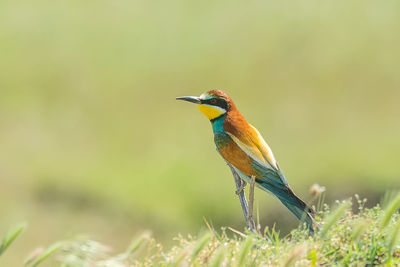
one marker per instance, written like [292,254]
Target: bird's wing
[263,160]
[255,146]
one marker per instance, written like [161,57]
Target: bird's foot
[241,188]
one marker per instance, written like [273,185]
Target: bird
[243,147]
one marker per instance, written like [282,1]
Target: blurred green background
[92,140]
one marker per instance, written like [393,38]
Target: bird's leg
[242,198]
[241,195]
[241,188]
[251,198]
[251,202]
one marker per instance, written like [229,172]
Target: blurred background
[93,142]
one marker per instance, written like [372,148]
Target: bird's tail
[299,208]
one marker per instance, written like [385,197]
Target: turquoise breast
[221,138]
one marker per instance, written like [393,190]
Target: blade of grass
[244,250]
[393,206]
[359,229]
[333,218]
[11,236]
[236,232]
[258,226]
[393,238]
[296,253]
[134,246]
[46,254]
[178,259]
[137,243]
[218,257]
[211,228]
[200,245]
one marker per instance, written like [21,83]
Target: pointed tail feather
[299,208]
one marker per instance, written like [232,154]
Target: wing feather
[264,149]
[255,146]
[264,162]
[252,151]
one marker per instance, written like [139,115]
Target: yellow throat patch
[211,112]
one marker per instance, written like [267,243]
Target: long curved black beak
[193,99]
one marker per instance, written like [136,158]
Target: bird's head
[212,104]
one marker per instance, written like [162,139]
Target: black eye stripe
[217,102]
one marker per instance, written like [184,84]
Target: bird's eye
[213,101]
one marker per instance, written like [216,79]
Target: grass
[367,237]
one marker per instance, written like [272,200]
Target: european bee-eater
[243,147]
